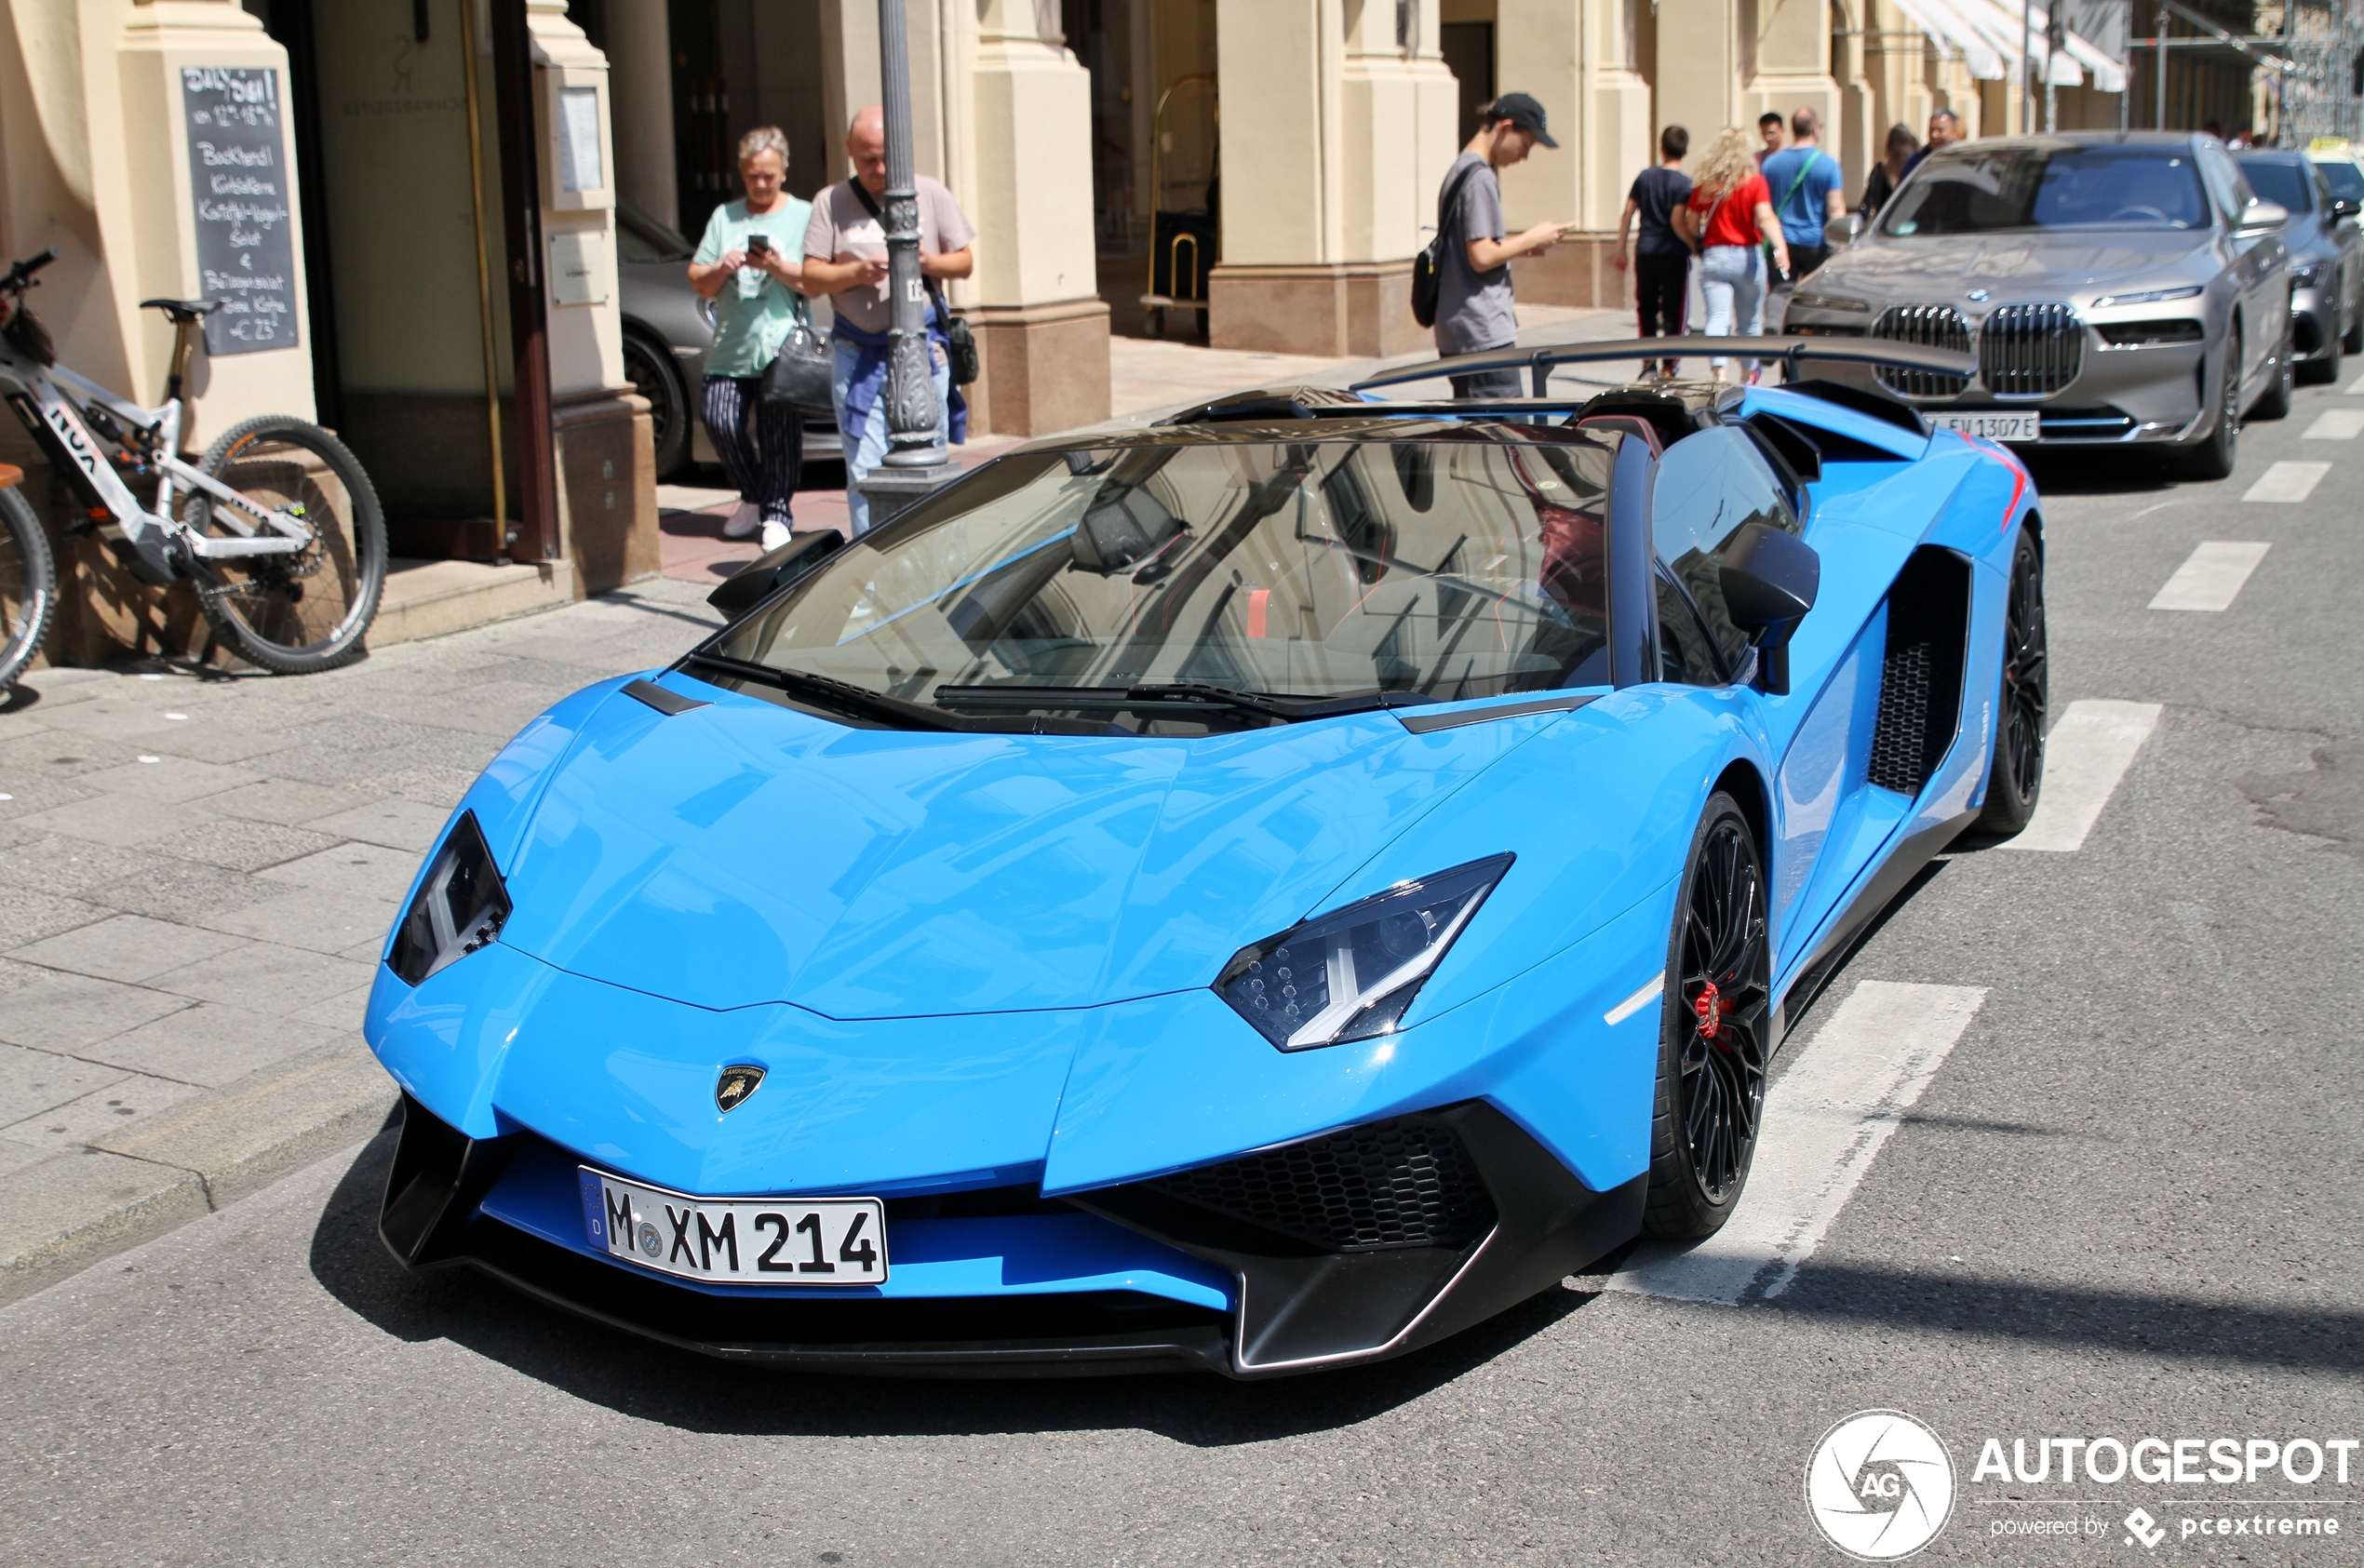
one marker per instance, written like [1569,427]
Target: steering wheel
[2139,212]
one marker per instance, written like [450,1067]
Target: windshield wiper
[900,713]
[1181,693]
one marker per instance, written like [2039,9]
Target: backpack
[1428,267]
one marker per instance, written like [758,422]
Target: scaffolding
[2316,97]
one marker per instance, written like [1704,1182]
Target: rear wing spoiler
[1793,353]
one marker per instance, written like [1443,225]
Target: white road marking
[2336,424]
[2288,481]
[2356,387]
[2211,577]
[1826,1120]
[2088,751]
[1638,1000]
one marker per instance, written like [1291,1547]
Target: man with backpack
[1470,258]
[1808,190]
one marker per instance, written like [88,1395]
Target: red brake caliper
[1709,1008]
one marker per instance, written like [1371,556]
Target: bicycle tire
[28,585]
[257,609]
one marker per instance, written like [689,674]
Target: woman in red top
[1729,208]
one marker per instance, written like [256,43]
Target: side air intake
[1928,617]
[1407,1183]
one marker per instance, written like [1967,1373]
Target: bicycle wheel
[293,614]
[28,585]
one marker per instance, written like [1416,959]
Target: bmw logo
[1979,296]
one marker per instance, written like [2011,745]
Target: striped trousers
[761,444]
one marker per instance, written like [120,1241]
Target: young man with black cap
[1475,311]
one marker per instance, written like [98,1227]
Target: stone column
[1582,62]
[1793,69]
[640,76]
[606,466]
[1337,131]
[1033,302]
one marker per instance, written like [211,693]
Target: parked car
[2327,259]
[2337,160]
[667,329]
[1262,893]
[2117,289]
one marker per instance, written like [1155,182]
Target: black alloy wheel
[2211,457]
[1715,1037]
[645,367]
[2016,777]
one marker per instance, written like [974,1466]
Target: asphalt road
[2125,1205]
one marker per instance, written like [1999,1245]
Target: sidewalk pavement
[198,870]
[198,873]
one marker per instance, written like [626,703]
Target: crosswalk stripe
[2086,753]
[2336,424]
[2356,388]
[1826,1120]
[2213,576]
[2288,481]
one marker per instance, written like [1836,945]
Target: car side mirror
[1769,578]
[2346,207]
[2264,214]
[1843,231]
[756,581]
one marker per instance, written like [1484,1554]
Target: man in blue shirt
[1808,190]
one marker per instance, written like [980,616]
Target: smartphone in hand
[758,244]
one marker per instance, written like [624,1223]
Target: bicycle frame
[260,530]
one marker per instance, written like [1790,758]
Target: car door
[2260,267]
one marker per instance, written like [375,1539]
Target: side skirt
[1839,938]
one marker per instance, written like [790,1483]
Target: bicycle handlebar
[21,274]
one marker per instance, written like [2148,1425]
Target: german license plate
[737,1240]
[1991,427]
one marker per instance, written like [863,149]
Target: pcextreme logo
[1880,1486]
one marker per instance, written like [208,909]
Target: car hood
[745,853]
[2017,264]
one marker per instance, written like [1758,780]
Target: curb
[73,1210]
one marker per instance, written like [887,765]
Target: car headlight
[1828,302]
[2306,275]
[461,907]
[1349,974]
[2155,296]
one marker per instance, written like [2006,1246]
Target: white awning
[1985,35]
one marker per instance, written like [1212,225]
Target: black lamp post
[916,460]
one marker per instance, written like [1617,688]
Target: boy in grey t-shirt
[1474,310]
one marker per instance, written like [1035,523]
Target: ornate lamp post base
[890,489]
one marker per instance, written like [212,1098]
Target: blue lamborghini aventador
[1263,893]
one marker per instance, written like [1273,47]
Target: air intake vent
[1932,327]
[1921,671]
[1407,1183]
[2030,350]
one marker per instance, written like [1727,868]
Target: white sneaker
[745,521]
[774,535]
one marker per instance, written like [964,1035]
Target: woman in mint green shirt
[751,265]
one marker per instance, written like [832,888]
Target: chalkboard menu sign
[240,185]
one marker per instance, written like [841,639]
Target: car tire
[2274,402]
[2212,455]
[2022,708]
[1714,1031]
[647,367]
[2314,372]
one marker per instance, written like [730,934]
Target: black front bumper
[1345,1248]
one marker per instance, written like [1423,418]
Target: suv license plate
[1991,427]
[737,1240]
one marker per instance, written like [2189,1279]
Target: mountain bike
[278,529]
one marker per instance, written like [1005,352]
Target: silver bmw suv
[2117,288]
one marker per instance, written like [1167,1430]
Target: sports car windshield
[1175,588]
[2050,188]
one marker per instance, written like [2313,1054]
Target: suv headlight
[1349,974]
[1829,301]
[461,907]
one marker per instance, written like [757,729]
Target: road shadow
[2088,470]
[655,1382]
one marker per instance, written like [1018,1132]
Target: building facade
[457,174]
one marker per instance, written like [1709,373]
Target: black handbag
[799,374]
[960,342]
[1427,268]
